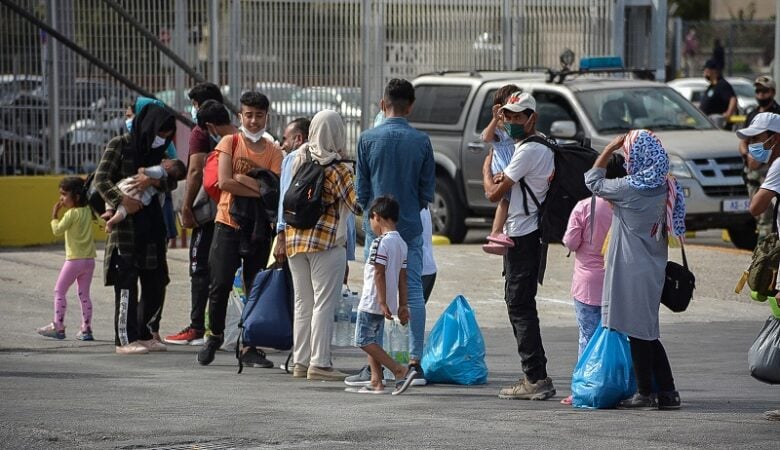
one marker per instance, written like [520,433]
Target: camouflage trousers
[754,180]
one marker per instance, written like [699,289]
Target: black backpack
[303,199]
[94,199]
[566,188]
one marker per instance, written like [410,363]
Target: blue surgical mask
[214,137]
[194,114]
[758,152]
[515,131]
[129,125]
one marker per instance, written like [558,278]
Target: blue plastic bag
[455,350]
[604,375]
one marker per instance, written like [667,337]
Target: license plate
[736,205]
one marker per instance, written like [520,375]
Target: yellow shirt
[76,226]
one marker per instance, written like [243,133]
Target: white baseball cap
[519,102]
[762,122]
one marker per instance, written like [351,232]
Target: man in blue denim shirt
[395,159]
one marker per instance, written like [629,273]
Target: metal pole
[179,43]
[506,34]
[214,41]
[234,52]
[618,32]
[52,65]
[776,62]
[659,33]
[367,44]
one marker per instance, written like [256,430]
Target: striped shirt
[338,188]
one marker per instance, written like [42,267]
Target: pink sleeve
[572,239]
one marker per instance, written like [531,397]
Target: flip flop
[501,239]
[495,249]
[370,390]
[403,384]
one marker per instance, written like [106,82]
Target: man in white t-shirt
[531,164]
[763,137]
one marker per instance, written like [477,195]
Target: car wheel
[744,236]
[447,212]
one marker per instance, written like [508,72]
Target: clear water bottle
[397,341]
[343,320]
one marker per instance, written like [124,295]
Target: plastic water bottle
[343,319]
[397,341]
[238,285]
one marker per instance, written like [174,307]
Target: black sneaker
[669,400]
[256,358]
[419,380]
[362,378]
[638,401]
[209,349]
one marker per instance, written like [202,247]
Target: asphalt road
[69,394]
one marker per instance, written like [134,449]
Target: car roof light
[601,62]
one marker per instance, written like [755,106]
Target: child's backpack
[303,199]
[762,272]
[566,188]
[211,171]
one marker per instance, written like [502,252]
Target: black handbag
[678,284]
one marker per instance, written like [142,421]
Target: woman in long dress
[649,207]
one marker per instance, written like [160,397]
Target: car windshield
[743,90]
[614,111]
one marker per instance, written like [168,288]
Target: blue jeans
[588,318]
[414,258]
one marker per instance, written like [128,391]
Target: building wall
[729,9]
[25,218]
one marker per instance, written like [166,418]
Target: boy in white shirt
[384,295]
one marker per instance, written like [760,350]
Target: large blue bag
[267,318]
[604,375]
[455,350]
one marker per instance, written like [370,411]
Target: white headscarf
[327,139]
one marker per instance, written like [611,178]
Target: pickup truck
[454,107]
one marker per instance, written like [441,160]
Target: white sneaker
[154,345]
[133,348]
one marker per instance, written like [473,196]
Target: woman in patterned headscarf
[649,209]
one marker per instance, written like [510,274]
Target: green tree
[691,9]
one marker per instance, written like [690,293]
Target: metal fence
[57,110]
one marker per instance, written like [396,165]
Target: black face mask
[764,101]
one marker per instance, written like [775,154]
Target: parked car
[309,101]
[453,108]
[693,89]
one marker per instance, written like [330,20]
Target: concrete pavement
[68,394]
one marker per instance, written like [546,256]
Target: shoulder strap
[774,215]
[526,190]
[592,218]
[682,249]
[234,142]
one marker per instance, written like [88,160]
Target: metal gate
[57,109]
